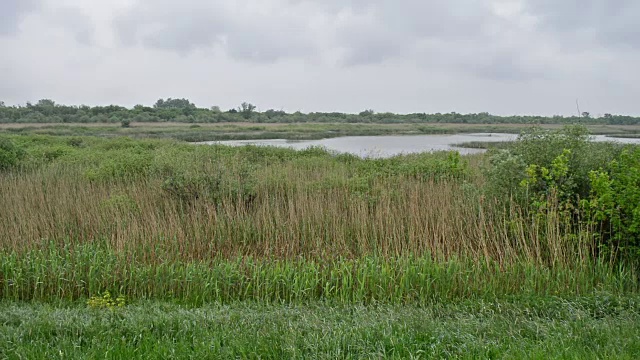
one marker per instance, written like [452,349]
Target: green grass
[595,327]
[250,252]
[72,273]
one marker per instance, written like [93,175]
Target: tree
[46,103]
[2,104]
[246,110]
[586,114]
[271,113]
[367,112]
[174,104]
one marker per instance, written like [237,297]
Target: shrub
[214,185]
[75,142]
[614,204]
[122,165]
[592,185]
[505,170]
[525,170]
[10,154]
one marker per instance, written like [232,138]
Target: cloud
[74,21]
[350,33]
[248,30]
[579,22]
[12,12]
[501,56]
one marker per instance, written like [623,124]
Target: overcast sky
[500,56]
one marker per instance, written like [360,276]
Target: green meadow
[144,246]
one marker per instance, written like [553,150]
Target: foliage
[505,170]
[543,161]
[589,185]
[168,220]
[344,257]
[125,164]
[173,104]
[246,110]
[614,203]
[10,154]
[182,110]
[553,182]
[106,301]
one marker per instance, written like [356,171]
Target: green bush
[215,184]
[614,204]
[121,165]
[506,169]
[529,169]
[593,185]
[10,154]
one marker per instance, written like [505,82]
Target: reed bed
[161,220]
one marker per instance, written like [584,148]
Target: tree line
[182,110]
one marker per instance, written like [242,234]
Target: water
[387,146]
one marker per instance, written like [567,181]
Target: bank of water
[387,146]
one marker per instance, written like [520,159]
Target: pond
[387,146]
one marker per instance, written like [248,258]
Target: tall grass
[595,327]
[164,220]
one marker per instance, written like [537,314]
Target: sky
[504,57]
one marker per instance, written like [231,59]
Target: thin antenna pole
[578,107]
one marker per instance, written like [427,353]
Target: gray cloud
[607,22]
[502,56]
[73,20]
[244,30]
[12,12]
[351,33]
[170,26]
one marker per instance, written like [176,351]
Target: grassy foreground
[221,252]
[593,327]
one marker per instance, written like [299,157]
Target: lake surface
[387,146]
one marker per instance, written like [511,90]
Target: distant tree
[367,112]
[215,109]
[46,103]
[232,111]
[174,104]
[45,106]
[141,108]
[2,103]
[271,113]
[246,110]
[608,116]
[586,114]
